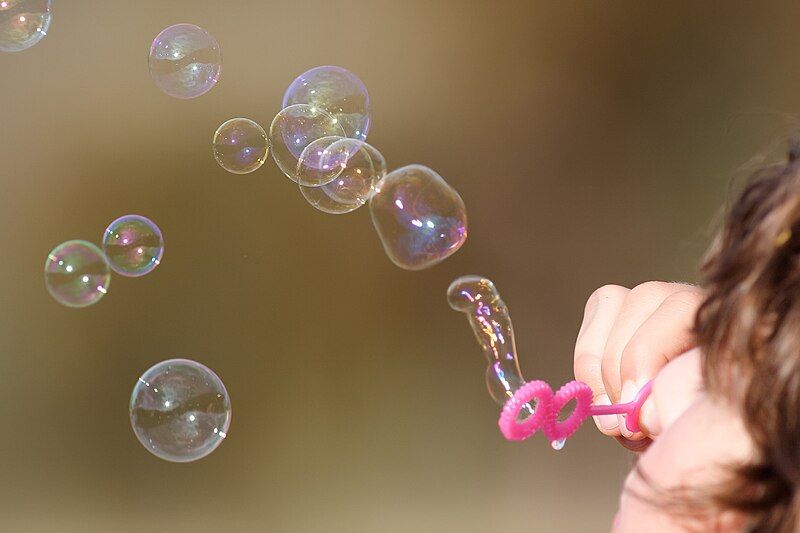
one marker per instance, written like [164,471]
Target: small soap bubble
[240,146]
[292,130]
[359,168]
[23,23]
[339,92]
[558,444]
[133,245]
[420,219]
[318,165]
[77,274]
[180,410]
[185,61]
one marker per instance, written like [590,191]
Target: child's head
[730,460]
[749,332]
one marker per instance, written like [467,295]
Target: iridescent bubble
[359,166]
[420,219]
[23,23]
[293,129]
[240,146]
[180,410]
[488,315]
[133,245]
[185,61]
[76,273]
[316,165]
[336,90]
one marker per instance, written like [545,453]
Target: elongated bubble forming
[488,315]
[532,406]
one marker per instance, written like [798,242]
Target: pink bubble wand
[527,406]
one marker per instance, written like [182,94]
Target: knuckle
[649,289]
[610,370]
[604,293]
[586,365]
[686,299]
[638,347]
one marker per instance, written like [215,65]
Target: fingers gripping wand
[527,406]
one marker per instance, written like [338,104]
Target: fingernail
[605,422]
[627,394]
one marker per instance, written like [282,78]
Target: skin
[629,337]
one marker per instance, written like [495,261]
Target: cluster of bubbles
[318,140]
[180,410]
[77,273]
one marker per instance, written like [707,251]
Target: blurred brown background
[592,142]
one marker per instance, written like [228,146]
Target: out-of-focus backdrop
[593,143]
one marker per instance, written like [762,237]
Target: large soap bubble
[180,410]
[339,92]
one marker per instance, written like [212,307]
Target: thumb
[675,388]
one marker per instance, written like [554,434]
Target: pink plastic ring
[582,395]
[534,390]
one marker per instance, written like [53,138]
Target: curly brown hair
[749,331]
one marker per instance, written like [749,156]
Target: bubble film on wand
[527,406]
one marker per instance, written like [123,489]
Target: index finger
[666,334]
[599,316]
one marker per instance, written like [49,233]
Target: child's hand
[626,337]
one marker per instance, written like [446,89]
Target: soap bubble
[23,23]
[185,61]
[488,315]
[420,219]
[133,245]
[317,165]
[358,165]
[76,273]
[293,129]
[240,146]
[336,90]
[180,410]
